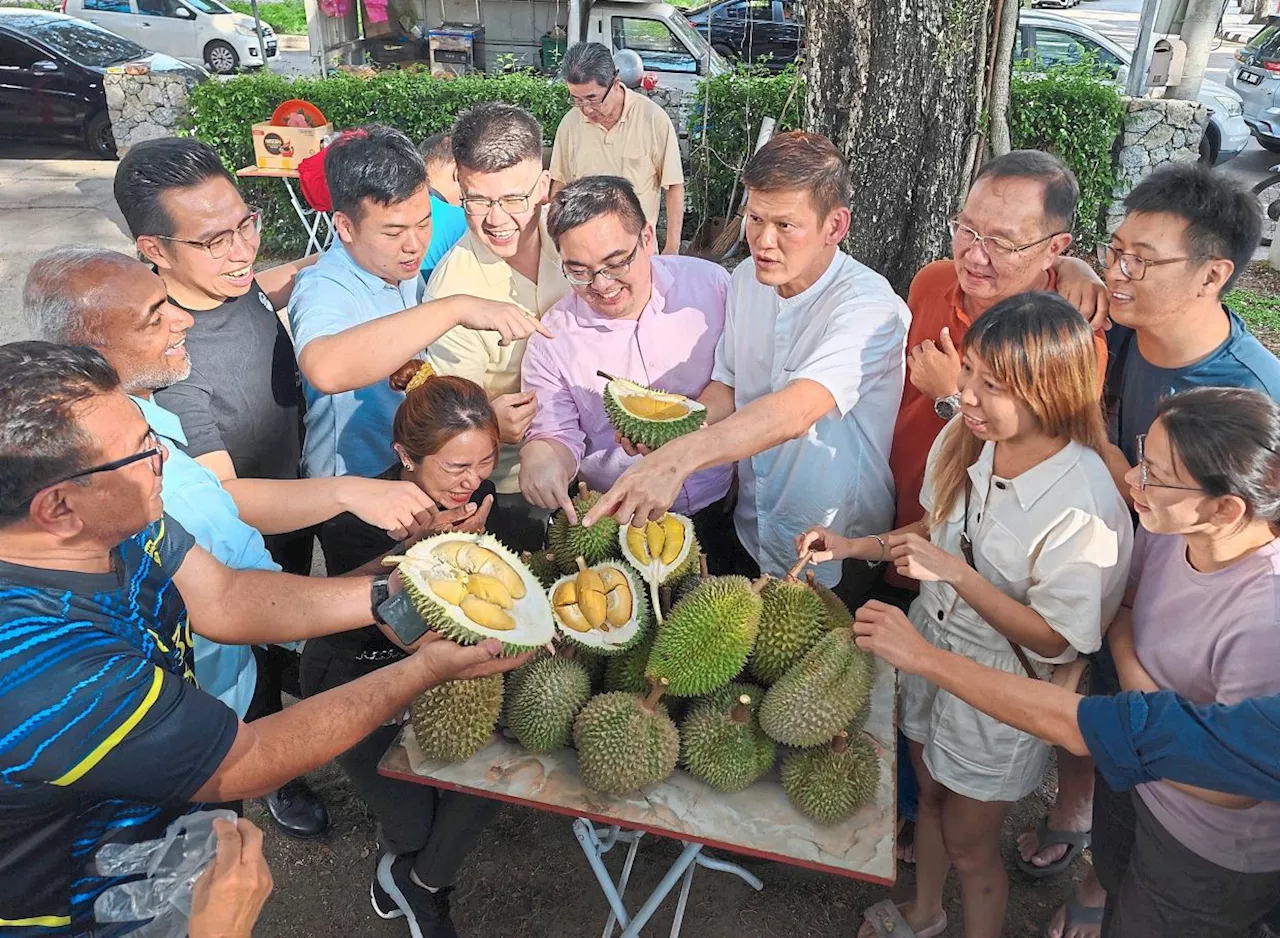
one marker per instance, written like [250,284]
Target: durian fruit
[705,641]
[601,608]
[625,742]
[859,721]
[514,678]
[792,618]
[833,781]
[724,746]
[547,701]
[820,694]
[468,587]
[625,672]
[685,585]
[648,416]
[664,551]
[454,721]
[838,615]
[542,564]
[567,542]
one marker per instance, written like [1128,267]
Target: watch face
[944,408]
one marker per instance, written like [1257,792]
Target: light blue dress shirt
[195,498]
[347,433]
[448,224]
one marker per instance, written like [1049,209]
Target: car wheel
[1209,146]
[99,137]
[1267,192]
[1270,143]
[221,57]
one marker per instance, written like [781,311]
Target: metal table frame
[317,224]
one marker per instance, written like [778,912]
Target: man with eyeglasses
[105,736]
[506,255]
[653,319]
[612,130]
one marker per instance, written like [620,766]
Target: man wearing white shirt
[807,379]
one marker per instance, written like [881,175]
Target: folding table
[758,822]
[317,224]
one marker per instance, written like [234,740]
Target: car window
[1266,43]
[735,11]
[208,6]
[167,8]
[792,11]
[14,53]
[87,44]
[108,6]
[1056,47]
[653,40]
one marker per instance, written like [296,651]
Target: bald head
[81,295]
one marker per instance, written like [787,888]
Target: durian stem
[841,742]
[656,597]
[582,489]
[606,376]
[741,711]
[702,566]
[582,563]
[656,690]
[664,595]
[800,565]
[760,584]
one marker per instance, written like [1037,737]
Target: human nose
[1133,477]
[179,319]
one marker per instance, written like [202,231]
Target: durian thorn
[656,690]
[841,742]
[582,563]
[702,566]
[803,562]
[760,584]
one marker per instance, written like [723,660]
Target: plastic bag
[170,866]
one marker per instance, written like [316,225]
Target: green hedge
[1075,113]
[284,16]
[221,113]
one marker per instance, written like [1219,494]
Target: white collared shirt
[848,333]
[1057,538]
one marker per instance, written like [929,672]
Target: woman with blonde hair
[1022,558]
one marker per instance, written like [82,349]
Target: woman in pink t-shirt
[1201,617]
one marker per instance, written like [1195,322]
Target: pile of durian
[750,671]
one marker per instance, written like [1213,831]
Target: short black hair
[438,148]
[1223,218]
[590,197]
[493,136]
[41,442]
[372,162]
[1061,191]
[589,63]
[152,168]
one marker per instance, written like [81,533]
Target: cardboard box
[286,147]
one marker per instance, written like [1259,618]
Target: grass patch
[285,16]
[1260,310]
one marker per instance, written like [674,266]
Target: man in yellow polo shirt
[505,255]
[613,131]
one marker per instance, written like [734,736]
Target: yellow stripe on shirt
[100,752]
[37,921]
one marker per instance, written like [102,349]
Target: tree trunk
[1002,75]
[1198,30]
[899,87]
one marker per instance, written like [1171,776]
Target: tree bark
[1001,76]
[1197,33]
[899,87]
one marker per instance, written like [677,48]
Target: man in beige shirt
[613,131]
[505,255]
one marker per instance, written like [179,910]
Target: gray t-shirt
[243,395]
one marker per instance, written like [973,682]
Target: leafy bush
[1075,112]
[731,107]
[221,113]
[285,16]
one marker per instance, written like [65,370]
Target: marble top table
[758,822]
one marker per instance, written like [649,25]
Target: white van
[195,30]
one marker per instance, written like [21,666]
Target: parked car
[192,30]
[1052,39]
[1060,4]
[1256,78]
[768,31]
[51,70]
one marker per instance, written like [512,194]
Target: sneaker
[383,905]
[426,912]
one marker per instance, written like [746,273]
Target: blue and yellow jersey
[104,736]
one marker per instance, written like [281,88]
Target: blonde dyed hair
[1039,347]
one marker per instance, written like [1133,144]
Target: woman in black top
[446,437]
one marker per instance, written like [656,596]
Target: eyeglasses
[152,450]
[592,100]
[220,244]
[478,206]
[963,237]
[1144,482]
[582,276]
[1133,266]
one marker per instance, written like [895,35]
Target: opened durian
[832,782]
[664,551]
[600,607]
[648,416]
[566,542]
[468,587]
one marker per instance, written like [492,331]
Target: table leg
[310,219]
[678,921]
[686,859]
[614,836]
[587,838]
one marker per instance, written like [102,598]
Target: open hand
[934,369]
[443,660]
[1083,289]
[920,559]
[887,633]
[510,321]
[229,895]
[515,412]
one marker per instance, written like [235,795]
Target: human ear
[150,248]
[51,511]
[1215,275]
[838,224]
[345,227]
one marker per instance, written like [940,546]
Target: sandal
[1077,914]
[1075,841]
[886,921]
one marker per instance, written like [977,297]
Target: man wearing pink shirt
[653,319]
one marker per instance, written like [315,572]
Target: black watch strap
[379,591]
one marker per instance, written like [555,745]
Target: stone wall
[143,104]
[1156,132]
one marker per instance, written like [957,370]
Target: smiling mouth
[240,274]
[610,296]
[178,348]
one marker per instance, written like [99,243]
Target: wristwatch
[379,593]
[947,407]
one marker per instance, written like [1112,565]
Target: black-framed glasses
[963,237]
[1134,266]
[592,100]
[583,276]
[219,246]
[477,206]
[151,450]
[1144,481]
